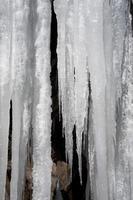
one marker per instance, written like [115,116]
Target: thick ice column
[81,73]
[42,105]
[123,73]
[4,90]
[124,167]
[110,96]
[19,69]
[129,75]
[96,62]
[119,21]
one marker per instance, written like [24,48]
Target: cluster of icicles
[95,46]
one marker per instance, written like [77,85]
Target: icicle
[125,151]
[26,119]
[121,56]
[4,90]
[19,70]
[110,97]
[91,179]
[130,108]
[27,102]
[102,25]
[81,75]
[42,164]
[64,12]
[119,11]
[96,62]
[72,70]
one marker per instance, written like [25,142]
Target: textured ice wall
[123,60]
[95,47]
[95,38]
[25,79]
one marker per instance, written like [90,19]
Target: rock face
[60,177]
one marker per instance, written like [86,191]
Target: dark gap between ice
[87,191]
[57,139]
[8,175]
[80,190]
[131,12]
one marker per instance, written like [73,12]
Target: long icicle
[120,27]
[124,178]
[64,12]
[42,164]
[81,75]
[72,71]
[27,100]
[96,62]
[109,97]
[5,92]
[19,70]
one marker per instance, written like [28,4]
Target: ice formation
[19,57]
[72,70]
[42,105]
[5,92]
[95,44]
[25,79]
[95,80]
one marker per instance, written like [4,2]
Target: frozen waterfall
[95,90]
